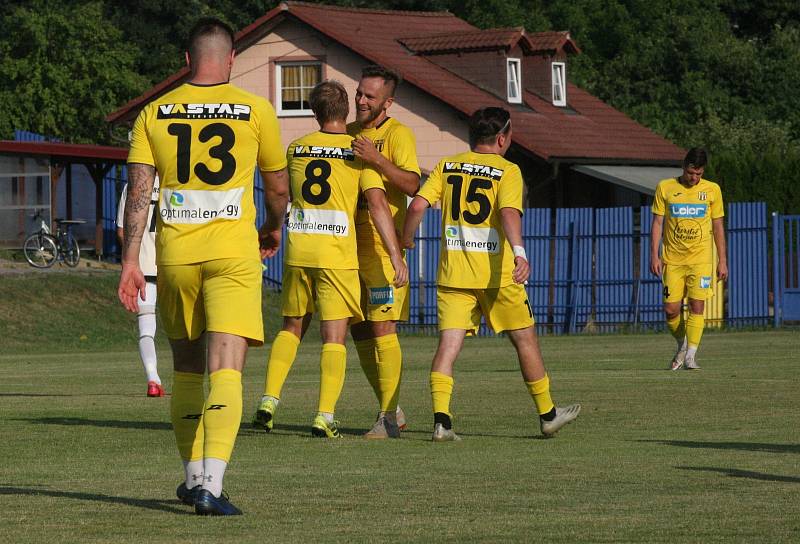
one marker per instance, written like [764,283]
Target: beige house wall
[438,129]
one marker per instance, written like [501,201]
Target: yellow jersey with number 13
[473,188]
[326,178]
[205,142]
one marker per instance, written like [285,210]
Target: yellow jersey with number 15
[205,142]
[688,213]
[394,141]
[473,188]
[326,178]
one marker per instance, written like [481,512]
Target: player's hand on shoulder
[521,270]
[365,149]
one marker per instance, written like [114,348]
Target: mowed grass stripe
[708,456]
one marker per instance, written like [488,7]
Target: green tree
[62,67]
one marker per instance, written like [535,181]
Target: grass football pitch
[656,456]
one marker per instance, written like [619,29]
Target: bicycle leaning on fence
[43,248]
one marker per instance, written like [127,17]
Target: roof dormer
[504,61]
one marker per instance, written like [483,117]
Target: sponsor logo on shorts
[324,152]
[688,211]
[313,221]
[478,240]
[240,112]
[198,207]
[705,282]
[381,295]
[479,170]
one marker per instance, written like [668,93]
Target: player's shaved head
[210,39]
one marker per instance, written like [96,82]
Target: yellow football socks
[677,327]
[223,413]
[694,329]
[332,366]
[441,391]
[186,411]
[368,357]
[281,358]
[540,391]
[390,367]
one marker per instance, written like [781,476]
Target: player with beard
[388,146]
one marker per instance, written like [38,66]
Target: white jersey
[147,254]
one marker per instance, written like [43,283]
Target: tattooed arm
[141,178]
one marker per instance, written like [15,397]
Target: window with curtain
[294,81]
[559,84]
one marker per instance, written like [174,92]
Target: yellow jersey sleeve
[403,148]
[431,190]
[717,206]
[270,150]
[659,202]
[141,151]
[509,194]
[370,179]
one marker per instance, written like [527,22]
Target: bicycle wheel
[41,250]
[70,251]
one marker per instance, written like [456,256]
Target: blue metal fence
[590,268]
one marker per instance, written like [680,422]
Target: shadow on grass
[304,431]
[149,504]
[736,473]
[114,423]
[744,446]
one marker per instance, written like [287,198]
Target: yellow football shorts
[223,295]
[504,308]
[692,280]
[380,300]
[331,294]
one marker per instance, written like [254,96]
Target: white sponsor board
[315,221]
[198,207]
[479,240]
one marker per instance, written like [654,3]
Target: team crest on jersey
[324,152]
[240,112]
[702,195]
[470,169]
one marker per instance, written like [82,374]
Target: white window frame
[514,80]
[279,88]
[559,81]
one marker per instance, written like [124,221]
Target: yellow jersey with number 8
[205,142]
[326,178]
[473,188]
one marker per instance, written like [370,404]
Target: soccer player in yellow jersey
[482,265]
[205,139]
[321,264]
[688,212]
[389,147]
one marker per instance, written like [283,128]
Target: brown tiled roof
[553,41]
[588,130]
[495,38]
